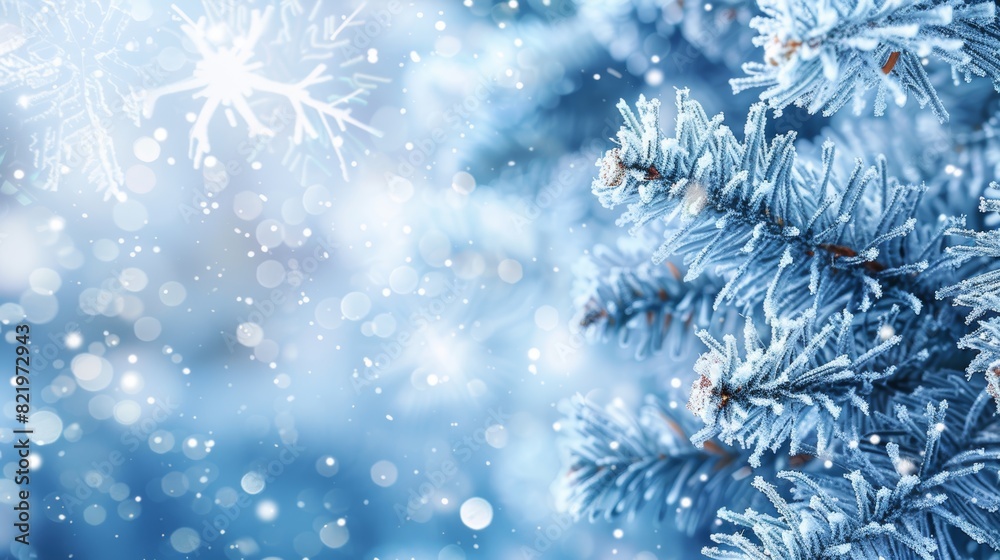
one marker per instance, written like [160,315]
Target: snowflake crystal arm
[981,292]
[225,76]
[794,389]
[787,233]
[874,513]
[641,303]
[70,73]
[619,463]
[821,55]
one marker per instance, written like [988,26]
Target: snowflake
[230,70]
[68,65]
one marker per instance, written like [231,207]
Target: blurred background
[300,273]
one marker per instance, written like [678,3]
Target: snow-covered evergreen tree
[834,296]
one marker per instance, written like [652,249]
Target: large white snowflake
[229,71]
[66,64]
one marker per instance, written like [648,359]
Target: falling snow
[300,278]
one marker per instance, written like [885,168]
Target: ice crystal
[230,70]
[69,66]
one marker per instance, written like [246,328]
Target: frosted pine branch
[641,304]
[980,291]
[794,389]
[619,464]
[871,514]
[789,234]
[822,55]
